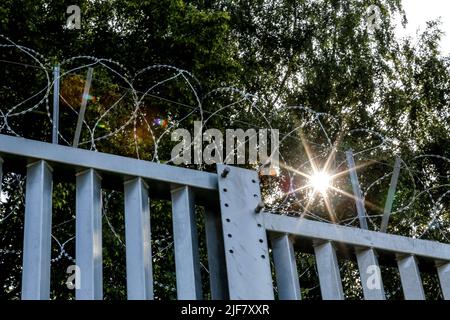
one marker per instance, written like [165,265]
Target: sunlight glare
[320,181]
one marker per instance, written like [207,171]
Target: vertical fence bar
[288,282]
[410,278]
[55,119]
[245,238]
[216,256]
[138,241]
[84,101]
[1,174]
[89,235]
[391,194]
[369,271]
[38,228]
[187,263]
[444,279]
[328,269]
[356,190]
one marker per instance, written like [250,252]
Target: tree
[316,55]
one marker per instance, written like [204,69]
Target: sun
[320,181]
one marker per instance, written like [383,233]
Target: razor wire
[128,117]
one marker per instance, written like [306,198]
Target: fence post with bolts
[245,240]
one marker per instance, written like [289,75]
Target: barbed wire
[131,114]
[191,82]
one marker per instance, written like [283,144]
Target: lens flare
[320,181]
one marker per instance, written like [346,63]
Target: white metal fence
[237,231]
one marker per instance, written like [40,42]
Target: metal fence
[237,231]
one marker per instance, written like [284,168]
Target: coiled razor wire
[136,122]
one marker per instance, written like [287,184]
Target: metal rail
[238,231]
[104,163]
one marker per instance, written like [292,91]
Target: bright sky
[420,11]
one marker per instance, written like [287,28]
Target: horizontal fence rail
[106,163]
[357,237]
[241,238]
[366,244]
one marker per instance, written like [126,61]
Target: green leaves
[315,54]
